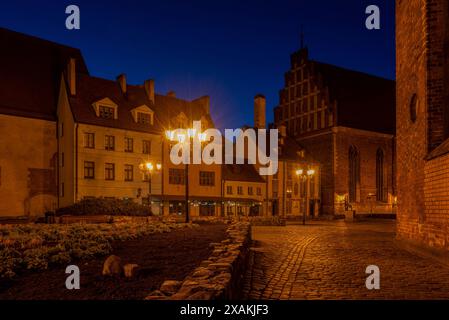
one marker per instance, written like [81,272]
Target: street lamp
[189,134]
[149,168]
[305,175]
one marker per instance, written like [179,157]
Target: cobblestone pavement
[327,260]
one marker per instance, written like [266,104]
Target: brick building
[422,33]
[346,121]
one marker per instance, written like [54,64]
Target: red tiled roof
[91,89]
[363,101]
[241,172]
[30,74]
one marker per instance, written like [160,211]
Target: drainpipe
[284,202]
[76,161]
[162,177]
[57,165]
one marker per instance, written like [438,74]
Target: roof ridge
[364,73]
[35,37]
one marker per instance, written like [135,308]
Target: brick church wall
[331,149]
[367,143]
[411,137]
[436,199]
[423,199]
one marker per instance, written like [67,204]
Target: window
[413,108]
[109,143]
[312,187]
[89,140]
[240,190]
[144,118]
[106,112]
[62,190]
[146,177]
[303,188]
[176,176]
[62,159]
[176,207]
[229,189]
[129,144]
[259,191]
[129,172]
[354,174]
[380,192]
[207,178]
[250,191]
[207,210]
[109,171]
[146,146]
[89,170]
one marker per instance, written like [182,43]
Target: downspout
[57,165]
[76,161]
[162,176]
[284,202]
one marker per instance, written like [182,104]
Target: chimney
[149,89]
[171,94]
[283,131]
[121,79]
[204,102]
[259,111]
[71,76]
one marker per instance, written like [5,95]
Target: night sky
[230,50]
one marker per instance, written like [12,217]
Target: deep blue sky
[230,50]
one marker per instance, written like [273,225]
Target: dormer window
[143,115]
[144,118]
[106,112]
[106,109]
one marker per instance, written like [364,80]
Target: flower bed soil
[162,256]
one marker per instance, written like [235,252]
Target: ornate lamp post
[188,138]
[305,176]
[148,168]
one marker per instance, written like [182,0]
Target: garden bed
[160,256]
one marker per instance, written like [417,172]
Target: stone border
[218,277]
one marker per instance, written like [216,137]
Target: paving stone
[328,261]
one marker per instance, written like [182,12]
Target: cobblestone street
[327,260]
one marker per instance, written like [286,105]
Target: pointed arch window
[380,189]
[354,174]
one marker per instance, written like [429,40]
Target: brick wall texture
[422,185]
